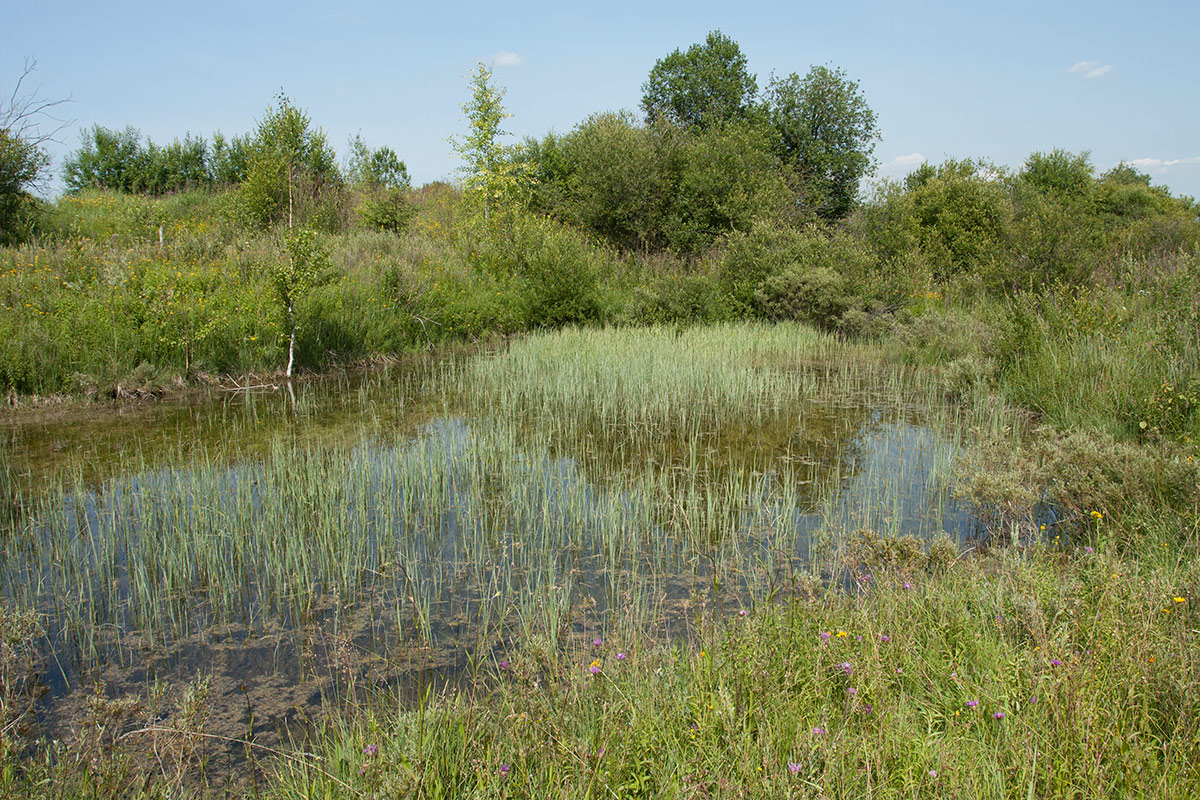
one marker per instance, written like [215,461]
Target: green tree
[291,170]
[1059,173]
[827,133]
[488,176]
[306,267]
[23,162]
[706,85]
[380,167]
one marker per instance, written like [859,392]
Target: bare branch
[23,115]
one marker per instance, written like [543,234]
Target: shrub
[817,296]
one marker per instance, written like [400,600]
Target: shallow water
[376,530]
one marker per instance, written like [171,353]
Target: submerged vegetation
[746,486]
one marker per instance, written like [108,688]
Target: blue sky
[946,79]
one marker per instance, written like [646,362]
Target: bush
[817,296]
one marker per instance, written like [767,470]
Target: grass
[1043,672]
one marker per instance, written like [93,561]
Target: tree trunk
[291,341]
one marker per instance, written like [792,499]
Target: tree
[1059,173]
[291,170]
[292,280]
[706,85]
[377,168]
[381,182]
[827,133]
[487,174]
[23,162]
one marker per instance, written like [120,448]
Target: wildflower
[906,585]
[851,691]
[743,613]
[594,667]
[883,637]
[597,641]
[972,703]
[1097,515]
[818,731]
[1054,662]
[1180,599]
[933,773]
[793,767]
[867,708]
[998,715]
[1088,550]
[825,635]
[504,665]
[845,667]
[841,634]
[621,656]
[371,749]
[1033,700]
[504,769]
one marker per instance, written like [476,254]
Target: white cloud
[1090,69]
[910,160]
[1157,166]
[507,59]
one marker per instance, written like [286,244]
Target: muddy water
[447,571]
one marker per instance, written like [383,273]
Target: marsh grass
[1024,672]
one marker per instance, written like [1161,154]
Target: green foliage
[1059,173]
[705,86]
[378,168]
[386,209]
[728,178]
[826,133]
[487,175]
[110,159]
[291,172]
[814,295]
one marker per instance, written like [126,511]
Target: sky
[994,81]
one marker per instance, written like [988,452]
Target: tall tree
[706,85]
[827,133]
[486,173]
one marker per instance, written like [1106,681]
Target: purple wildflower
[1054,662]
[933,773]
[825,635]
[818,731]
[504,769]
[793,767]
[371,749]
[504,665]
[906,585]
[1088,550]
[998,715]
[597,641]
[845,667]
[883,637]
[621,656]
[743,613]
[972,703]
[851,691]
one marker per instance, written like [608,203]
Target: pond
[409,525]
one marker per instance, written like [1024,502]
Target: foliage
[488,177]
[705,86]
[827,134]
[1059,173]
[291,173]
[378,168]
[817,296]
[306,267]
